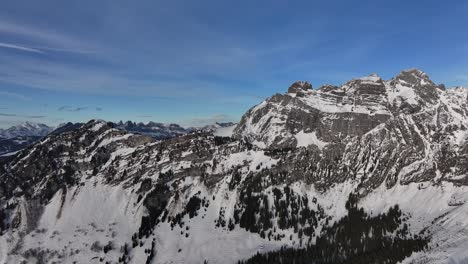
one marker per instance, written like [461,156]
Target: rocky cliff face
[405,122]
[386,157]
[334,113]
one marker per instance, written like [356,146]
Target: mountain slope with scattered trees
[371,171]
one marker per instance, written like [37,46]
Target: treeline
[356,238]
[255,214]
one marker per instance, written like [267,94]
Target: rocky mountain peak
[328,88]
[299,86]
[96,125]
[441,86]
[331,112]
[367,85]
[416,86]
[414,77]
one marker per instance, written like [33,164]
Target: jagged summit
[333,112]
[413,87]
[414,76]
[327,88]
[408,88]
[299,86]
[96,121]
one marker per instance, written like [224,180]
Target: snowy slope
[26,129]
[287,177]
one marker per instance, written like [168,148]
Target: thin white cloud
[60,76]
[208,120]
[64,50]
[28,31]
[50,40]
[18,47]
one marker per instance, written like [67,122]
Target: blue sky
[197,62]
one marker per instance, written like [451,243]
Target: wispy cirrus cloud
[45,39]
[40,49]
[78,109]
[58,76]
[19,47]
[69,108]
[30,31]
[35,116]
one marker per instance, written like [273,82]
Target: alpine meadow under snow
[372,171]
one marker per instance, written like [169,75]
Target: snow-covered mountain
[18,137]
[26,129]
[21,136]
[373,171]
[153,129]
[166,131]
[66,127]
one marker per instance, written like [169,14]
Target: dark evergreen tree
[356,238]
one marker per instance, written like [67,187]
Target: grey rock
[299,87]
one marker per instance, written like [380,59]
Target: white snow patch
[107,141]
[97,126]
[306,139]
[402,93]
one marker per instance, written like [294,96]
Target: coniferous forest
[356,238]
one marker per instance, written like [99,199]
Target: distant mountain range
[167,131]
[21,136]
[26,129]
[153,129]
